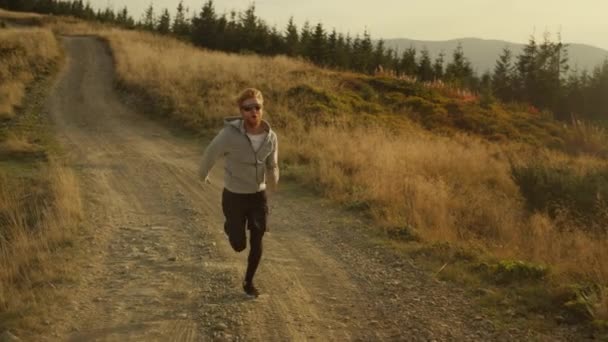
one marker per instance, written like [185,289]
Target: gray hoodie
[245,170]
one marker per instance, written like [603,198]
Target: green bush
[312,104]
[512,271]
[361,88]
[578,301]
[420,105]
[554,189]
[385,85]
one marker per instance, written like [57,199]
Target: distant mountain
[483,53]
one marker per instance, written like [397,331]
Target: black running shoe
[250,290]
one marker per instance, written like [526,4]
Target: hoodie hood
[238,123]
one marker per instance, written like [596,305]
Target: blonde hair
[249,93]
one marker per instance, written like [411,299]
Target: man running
[250,149]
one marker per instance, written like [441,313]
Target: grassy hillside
[501,195]
[39,199]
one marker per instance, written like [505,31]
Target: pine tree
[231,33]
[292,38]
[305,37]
[180,27]
[164,23]
[89,13]
[204,26]
[526,71]
[365,54]
[343,52]
[276,42]
[502,80]
[250,29]
[379,59]
[149,19]
[425,68]
[407,64]
[438,66]
[106,16]
[332,48]
[486,97]
[317,45]
[221,29]
[459,70]
[597,93]
[124,19]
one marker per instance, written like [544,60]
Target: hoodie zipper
[255,153]
[255,156]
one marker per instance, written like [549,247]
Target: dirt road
[160,269]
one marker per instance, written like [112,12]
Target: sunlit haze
[580,21]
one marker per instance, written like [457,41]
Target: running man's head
[251,103]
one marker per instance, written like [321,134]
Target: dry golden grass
[9,15]
[34,221]
[458,190]
[196,86]
[39,202]
[602,307]
[193,86]
[589,138]
[18,146]
[18,15]
[24,53]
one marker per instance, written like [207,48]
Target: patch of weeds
[403,233]
[361,88]
[358,205]
[457,273]
[601,328]
[555,188]
[512,271]
[578,302]
[387,84]
[422,106]
[313,105]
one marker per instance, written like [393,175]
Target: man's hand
[271,188]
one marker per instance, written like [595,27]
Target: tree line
[538,76]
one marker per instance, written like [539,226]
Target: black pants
[246,211]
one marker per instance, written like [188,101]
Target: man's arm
[214,150]
[272,166]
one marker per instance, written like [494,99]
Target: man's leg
[256,223]
[255,254]
[235,214]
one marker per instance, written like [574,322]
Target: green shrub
[361,88]
[512,271]
[386,84]
[403,233]
[422,106]
[578,301]
[557,188]
[312,104]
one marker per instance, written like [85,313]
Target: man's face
[252,111]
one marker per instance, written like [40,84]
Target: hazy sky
[582,21]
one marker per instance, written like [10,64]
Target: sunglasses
[249,108]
